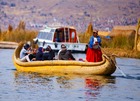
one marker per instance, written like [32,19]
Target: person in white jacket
[24,53]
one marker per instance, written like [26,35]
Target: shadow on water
[21,75]
[128,65]
[92,82]
[12,69]
[129,77]
[90,85]
[126,76]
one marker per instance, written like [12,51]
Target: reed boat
[105,67]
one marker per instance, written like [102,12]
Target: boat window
[59,36]
[45,35]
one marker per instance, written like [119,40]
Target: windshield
[45,35]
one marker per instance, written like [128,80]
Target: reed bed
[120,45]
[20,34]
[119,41]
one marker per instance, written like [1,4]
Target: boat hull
[105,67]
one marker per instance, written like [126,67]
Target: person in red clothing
[94,53]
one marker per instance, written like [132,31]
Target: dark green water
[17,86]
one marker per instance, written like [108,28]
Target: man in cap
[65,54]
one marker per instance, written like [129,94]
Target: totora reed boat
[105,67]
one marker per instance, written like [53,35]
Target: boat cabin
[55,36]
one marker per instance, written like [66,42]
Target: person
[48,54]
[51,53]
[65,54]
[24,53]
[39,54]
[32,55]
[45,55]
[94,53]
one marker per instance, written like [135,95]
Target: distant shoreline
[8,45]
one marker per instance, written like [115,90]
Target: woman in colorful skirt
[94,53]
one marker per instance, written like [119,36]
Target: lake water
[17,86]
